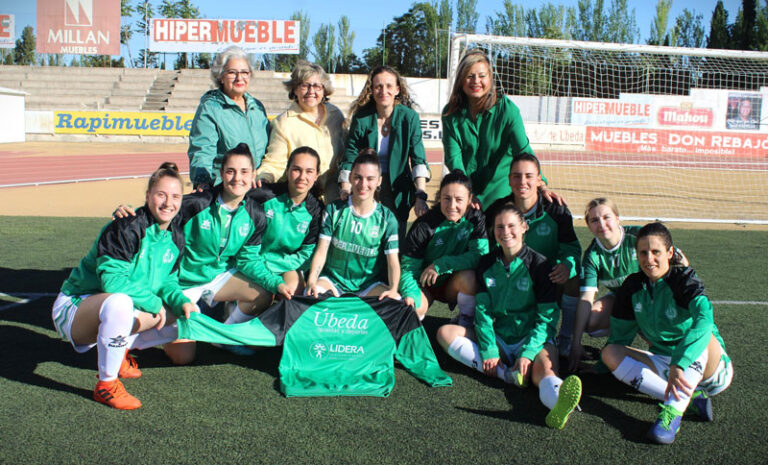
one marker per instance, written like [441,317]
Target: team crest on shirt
[438,241]
[523,284]
[206,225]
[243,229]
[490,282]
[463,234]
[638,307]
[374,231]
[318,350]
[168,256]
[671,312]
[543,229]
[302,227]
[270,214]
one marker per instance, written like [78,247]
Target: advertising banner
[213,35]
[679,142]
[84,27]
[743,111]
[7,31]
[612,112]
[122,123]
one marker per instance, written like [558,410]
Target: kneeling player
[516,312]
[358,244]
[687,363]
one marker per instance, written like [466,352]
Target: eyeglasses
[233,73]
[317,87]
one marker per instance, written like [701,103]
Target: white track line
[738,302]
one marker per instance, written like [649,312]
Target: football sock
[568,305]
[466,352]
[640,377]
[466,304]
[549,389]
[114,338]
[237,316]
[154,337]
[693,374]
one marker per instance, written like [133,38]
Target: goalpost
[668,133]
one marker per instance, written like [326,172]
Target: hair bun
[169,165]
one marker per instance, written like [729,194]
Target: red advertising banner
[213,35]
[7,31]
[84,27]
[662,141]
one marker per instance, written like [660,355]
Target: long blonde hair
[458,98]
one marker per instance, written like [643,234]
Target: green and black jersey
[449,246]
[292,230]
[133,256]
[359,244]
[333,346]
[550,231]
[674,315]
[218,239]
[516,302]
[610,267]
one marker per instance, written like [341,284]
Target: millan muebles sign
[84,27]
[213,35]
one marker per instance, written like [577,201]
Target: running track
[32,168]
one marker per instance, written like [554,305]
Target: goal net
[675,134]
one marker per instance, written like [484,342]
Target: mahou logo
[78,13]
[686,115]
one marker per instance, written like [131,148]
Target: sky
[367,21]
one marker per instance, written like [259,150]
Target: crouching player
[687,363]
[358,245]
[126,285]
[516,315]
[442,250]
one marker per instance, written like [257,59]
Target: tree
[659,24]
[622,26]
[126,33]
[443,39]
[180,9]
[745,34]
[346,40]
[719,36]
[24,53]
[325,43]
[688,30]
[761,27]
[146,58]
[510,22]
[466,15]
[592,20]
[551,22]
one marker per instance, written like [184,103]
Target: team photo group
[312,206]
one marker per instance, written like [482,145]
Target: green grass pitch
[227,409]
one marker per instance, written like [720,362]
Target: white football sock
[237,316]
[640,377]
[466,352]
[154,337]
[549,390]
[693,374]
[568,306]
[466,304]
[114,338]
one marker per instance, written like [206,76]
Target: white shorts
[713,385]
[207,292]
[63,314]
[512,351]
[335,288]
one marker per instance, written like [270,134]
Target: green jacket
[674,315]
[517,303]
[204,256]
[407,159]
[220,125]
[133,256]
[483,149]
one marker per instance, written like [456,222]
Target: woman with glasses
[226,116]
[383,120]
[310,121]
